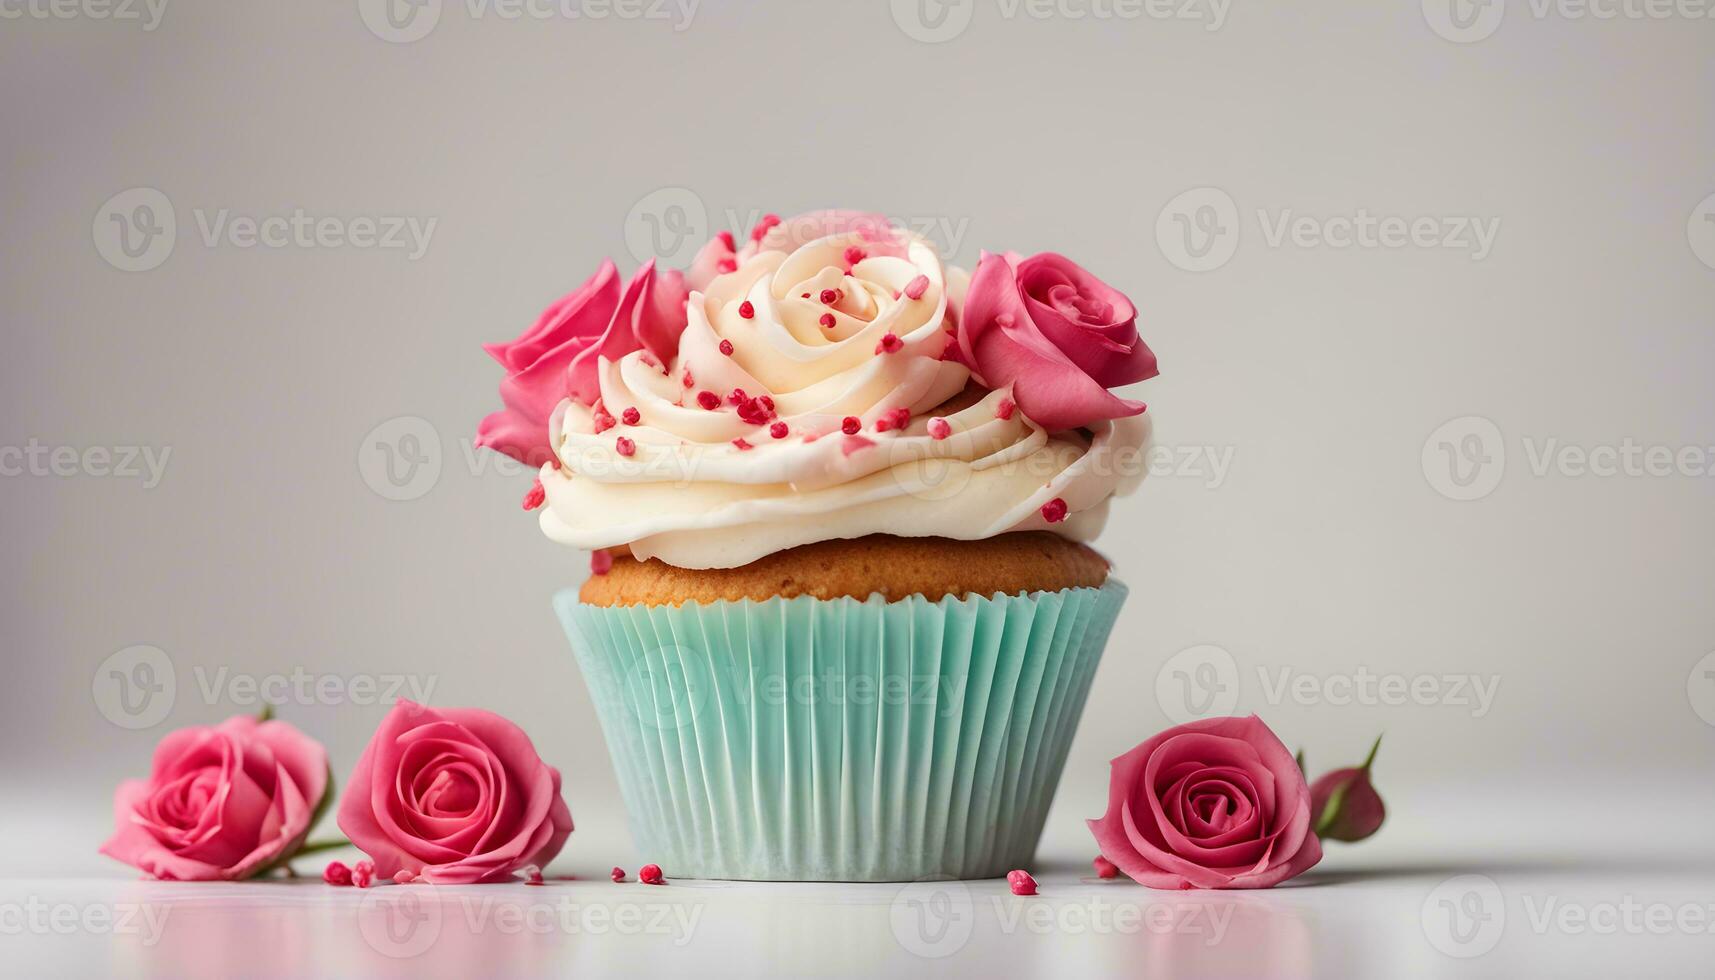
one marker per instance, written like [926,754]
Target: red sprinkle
[726,347]
[1054,511]
[890,344]
[736,396]
[940,428]
[917,287]
[756,411]
[709,400]
[747,310]
[1003,409]
[768,221]
[850,425]
[618,874]
[363,874]
[1105,868]
[602,422]
[828,296]
[600,562]
[687,380]
[778,430]
[649,874]
[854,255]
[625,447]
[766,401]
[533,499]
[827,320]
[336,873]
[631,416]
[1021,882]
[742,444]
[898,418]
[725,266]
[727,240]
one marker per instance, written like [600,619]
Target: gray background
[535,145]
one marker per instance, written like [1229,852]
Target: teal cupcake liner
[841,740]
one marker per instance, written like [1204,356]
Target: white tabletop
[1344,919]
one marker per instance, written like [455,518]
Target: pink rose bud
[1021,883]
[363,874]
[1104,867]
[222,803]
[336,873]
[1348,807]
[455,796]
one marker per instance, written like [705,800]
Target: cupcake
[842,617]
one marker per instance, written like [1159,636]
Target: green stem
[321,845]
[1371,758]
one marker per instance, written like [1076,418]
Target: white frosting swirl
[715,488]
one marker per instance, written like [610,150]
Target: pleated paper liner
[841,740]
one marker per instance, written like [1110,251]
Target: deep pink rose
[453,796]
[1217,803]
[559,357]
[221,803]
[1057,334]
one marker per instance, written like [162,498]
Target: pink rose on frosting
[1217,803]
[559,357]
[221,803]
[1057,334]
[453,796]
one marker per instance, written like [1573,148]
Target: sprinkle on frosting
[708,400]
[625,447]
[850,425]
[1054,511]
[726,347]
[747,309]
[890,344]
[915,289]
[630,416]
[779,430]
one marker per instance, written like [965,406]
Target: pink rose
[1217,803]
[221,803]
[453,796]
[1057,334]
[560,356]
